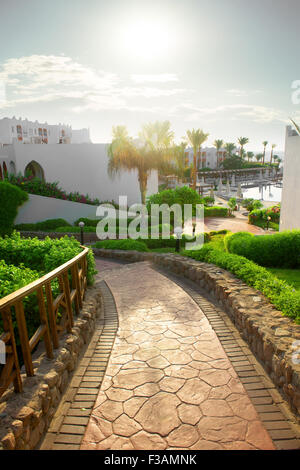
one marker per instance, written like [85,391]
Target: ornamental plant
[11,197]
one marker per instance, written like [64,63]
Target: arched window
[4,169]
[12,168]
[35,169]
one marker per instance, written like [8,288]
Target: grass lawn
[291,276]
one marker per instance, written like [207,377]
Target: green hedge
[13,278]
[282,295]
[42,255]
[126,244]
[216,211]
[45,225]
[11,197]
[279,250]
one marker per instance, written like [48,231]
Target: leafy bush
[215,211]
[238,237]
[251,204]
[126,244]
[45,225]
[42,255]
[283,296]
[262,215]
[34,185]
[71,229]
[181,196]
[13,278]
[11,198]
[280,250]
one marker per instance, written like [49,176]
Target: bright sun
[145,40]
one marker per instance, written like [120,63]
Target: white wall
[290,202]
[81,168]
[39,208]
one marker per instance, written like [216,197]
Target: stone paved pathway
[169,383]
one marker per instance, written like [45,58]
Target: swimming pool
[266,192]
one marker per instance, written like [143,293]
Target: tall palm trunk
[195,169]
[143,179]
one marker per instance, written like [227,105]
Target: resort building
[290,208]
[24,131]
[207,157]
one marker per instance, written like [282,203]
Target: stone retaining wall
[25,417]
[271,336]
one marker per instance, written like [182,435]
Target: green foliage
[215,211]
[13,278]
[208,200]
[70,229]
[45,225]
[41,255]
[280,250]
[11,198]
[262,214]
[283,296]
[250,204]
[181,196]
[231,238]
[126,244]
[86,221]
[39,187]
[232,204]
[25,260]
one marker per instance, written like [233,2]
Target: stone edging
[25,417]
[71,418]
[270,335]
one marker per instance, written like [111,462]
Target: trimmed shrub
[42,255]
[215,211]
[45,225]
[126,244]
[11,198]
[282,295]
[236,238]
[71,229]
[280,250]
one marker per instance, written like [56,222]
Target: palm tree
[259,156]
[218,144]
[229,147]
[265,143]
[250,155]
[151,152]
[296,126]
[196,138]
[180,158]
[271,158]
[242,141]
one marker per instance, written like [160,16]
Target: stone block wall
[271,336]
[25,417]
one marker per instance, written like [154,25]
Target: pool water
[264,192]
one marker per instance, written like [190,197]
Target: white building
[290,207]
[81,168]
[34,132]
[208,157]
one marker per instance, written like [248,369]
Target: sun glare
[145,40]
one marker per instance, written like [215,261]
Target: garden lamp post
[178,233]
[81,225]
[268,221]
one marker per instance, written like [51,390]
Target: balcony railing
[55,314]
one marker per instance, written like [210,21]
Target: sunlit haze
[225,67]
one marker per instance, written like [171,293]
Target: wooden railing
[56,316]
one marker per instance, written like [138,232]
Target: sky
[226,67]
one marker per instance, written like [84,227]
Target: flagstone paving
[169,383]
